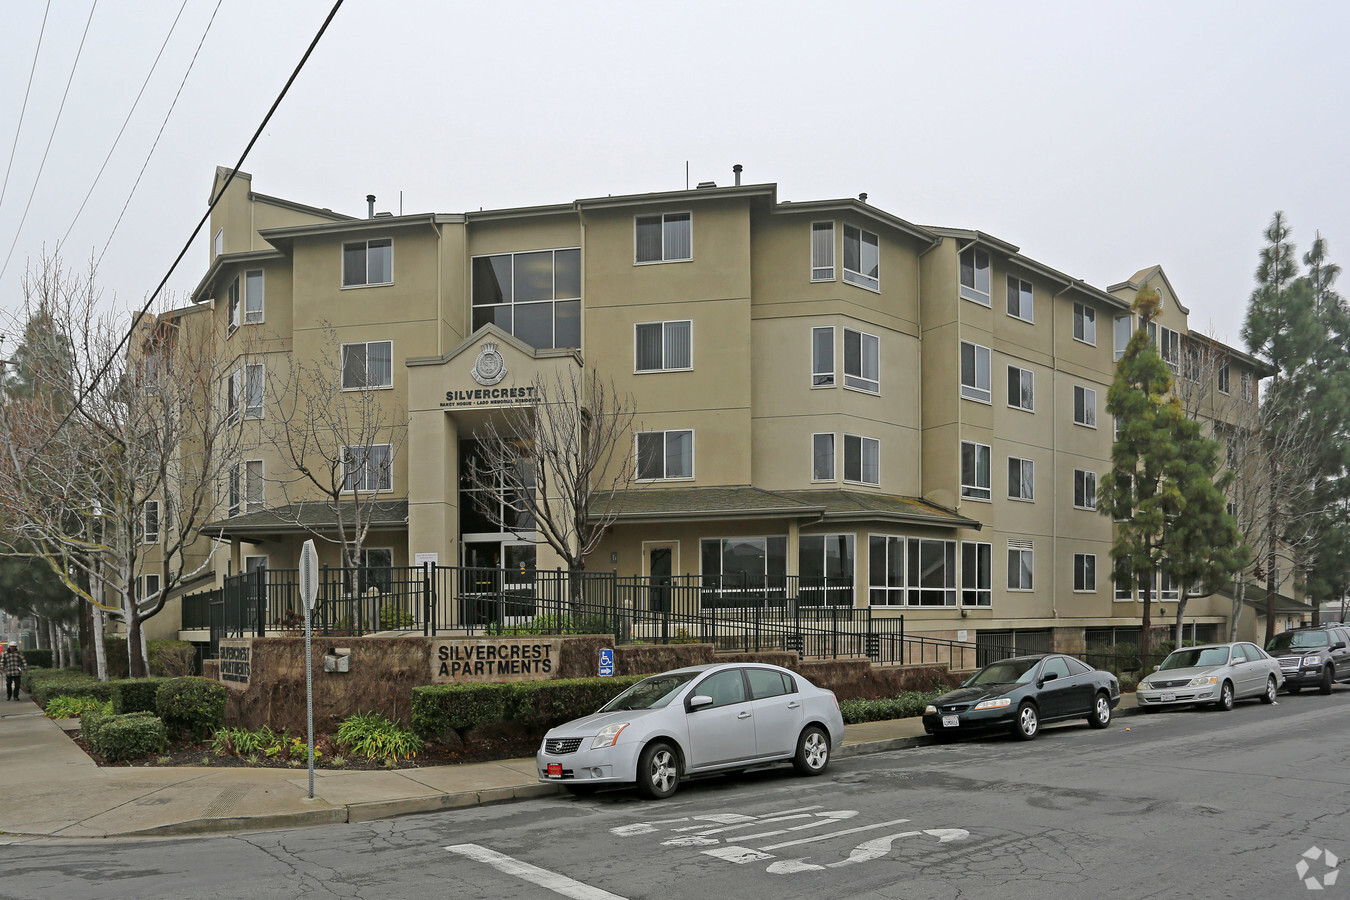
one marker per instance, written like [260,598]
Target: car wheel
[1328,676]
[1028,722]
[813,751]
[1225,697]
[581,790]
[658,771]
[1269,695]
[1101,712]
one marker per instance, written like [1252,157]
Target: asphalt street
[1175,804]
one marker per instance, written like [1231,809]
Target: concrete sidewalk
[52,789]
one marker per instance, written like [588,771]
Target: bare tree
[557,469]
[337,433]
[110,438]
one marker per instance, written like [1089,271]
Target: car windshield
[1008,671]
[1195,657]
[651,693]
[1297,640]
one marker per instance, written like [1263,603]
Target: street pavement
[52,789]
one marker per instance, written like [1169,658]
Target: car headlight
[608,736]
[929,709]
[1313,659]
[1204,679]
[994,704]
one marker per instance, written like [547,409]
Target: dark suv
[1312,656]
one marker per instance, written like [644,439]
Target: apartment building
[822,389]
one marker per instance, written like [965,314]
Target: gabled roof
[858,208]
[299,518]
[494,331]
[1144,276]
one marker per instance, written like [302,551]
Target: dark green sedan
[1022,694]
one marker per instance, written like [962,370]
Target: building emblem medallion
[489,368]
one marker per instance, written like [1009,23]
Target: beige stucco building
[822,389]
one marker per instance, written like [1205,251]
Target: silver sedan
[694,721]
[1214,673]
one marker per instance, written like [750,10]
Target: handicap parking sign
[607,662]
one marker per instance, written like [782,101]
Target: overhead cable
[24,108]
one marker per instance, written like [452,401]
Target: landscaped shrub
[394,617]
[39,659]
[131,736]
[534,705]
[171,659]
[73,707]
[556,624]
[191,706]
[243,742]
[904,705]
[69,684]
[92,721]
[375,737]
[135,695]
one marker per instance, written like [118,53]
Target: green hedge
[91,722]
[533,705]
[130,736]
[70,683]
[904,705]
[191,706]
[135,695]
[41,659]
[171,659]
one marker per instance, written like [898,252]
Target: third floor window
[1020,299]
[663,346]
[975,372]
[975,275]
[1021,388]
[664,238]
[862,258]
[822,251]
[368,262]
[535,296]
[862,361]
[367,365]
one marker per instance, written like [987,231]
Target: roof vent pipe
[737,170]
[370,206]
[862,198]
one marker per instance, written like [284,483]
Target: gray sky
[1099,138]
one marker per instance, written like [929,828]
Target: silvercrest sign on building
[473,660]
[489,368]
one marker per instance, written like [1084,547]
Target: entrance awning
[304,518]
[744,502]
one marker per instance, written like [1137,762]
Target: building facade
[822,390]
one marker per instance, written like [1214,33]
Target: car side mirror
[1339,645]
[1156,668]
[698,701]
[1048,676]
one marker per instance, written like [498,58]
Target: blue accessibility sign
[607,662]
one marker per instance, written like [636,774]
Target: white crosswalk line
[559,884]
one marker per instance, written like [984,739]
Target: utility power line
[24,108]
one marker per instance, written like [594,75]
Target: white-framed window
[1021,479]
[367,365]
[253,391]
[1085,324]
[218,243]
[1168,343]
[254,563]
[1085,572]
[975,471]
[1122,593]
[885,570]
[533,295]
[1223,378]
[862,459]
[253,485]
[663,455]
[367,263]
[822,457]
[148,585]
[931,576]
[822,356]
[234,394]
[975,276]
[822,251]
[150,522]
[1084,489]
[862,258]
[1021,388]
[975,372]
[1021,564]
[1121,329]
[977,573]
[1168,590]
[253,297]
[234,490]
[668,237]
[367,468]
[1192,363]
[1020,302]
[825,565]
[663,346]
[1247,391]
[862,361]
[232,307]
[1084,406]
[733,566]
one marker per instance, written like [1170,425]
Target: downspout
[1054,456]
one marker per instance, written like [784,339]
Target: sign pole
[309,589]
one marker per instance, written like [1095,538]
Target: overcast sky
[1100,138]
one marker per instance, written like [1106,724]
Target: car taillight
[835,699]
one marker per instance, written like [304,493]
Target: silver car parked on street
[694,721]
[1217,674]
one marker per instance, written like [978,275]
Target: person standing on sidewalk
[13,665]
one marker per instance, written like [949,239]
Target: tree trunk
[86,637]
[135,658]
[1239,598]
[1180,629]
[100,647]
[1146,623]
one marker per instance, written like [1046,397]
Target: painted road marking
[559,884]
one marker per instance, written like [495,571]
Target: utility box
[338,659]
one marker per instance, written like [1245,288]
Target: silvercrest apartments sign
[474,660]
[489,368]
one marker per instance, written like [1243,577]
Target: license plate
[555,770]
[951,721]
[1165,698]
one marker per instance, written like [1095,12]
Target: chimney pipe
[863,197]
[370,206]
[737,169]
